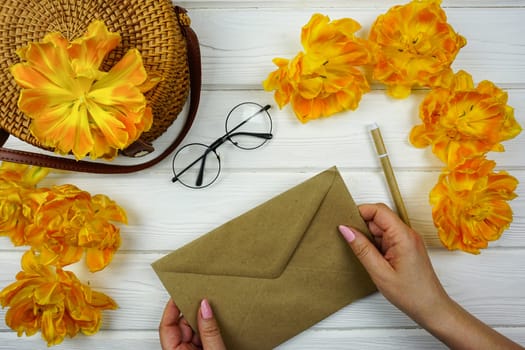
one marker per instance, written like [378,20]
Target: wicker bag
[160,31]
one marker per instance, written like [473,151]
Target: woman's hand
[400,267]
[176,334]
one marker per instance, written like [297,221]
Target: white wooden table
[239,38]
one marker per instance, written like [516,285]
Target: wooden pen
[389,172]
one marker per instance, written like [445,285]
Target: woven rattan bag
[161,33]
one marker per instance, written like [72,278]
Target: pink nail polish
[347,233]
[206,311]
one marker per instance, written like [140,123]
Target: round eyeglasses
[248,126]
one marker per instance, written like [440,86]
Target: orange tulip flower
[325,78]
[60,222]
[463,121]
[70,222]
[74,106]
[470,205]
[52,301]
[414,46]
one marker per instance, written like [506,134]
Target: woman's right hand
[399,266]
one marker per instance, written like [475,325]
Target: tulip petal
[129,69]
[88,52]
[109,125]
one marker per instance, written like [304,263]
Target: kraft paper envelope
[274,271]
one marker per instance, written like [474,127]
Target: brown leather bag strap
[194,63]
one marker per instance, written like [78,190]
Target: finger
[375,230]
[171,314]
[209,330]
[366,252]
[196,340]
[169,332]
[186,330]
[381,215]
[371,212]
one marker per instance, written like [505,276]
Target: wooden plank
[471,280]
[341,140]
[373,339]
[377,339]
[376,4]
[163,215]
[494,50]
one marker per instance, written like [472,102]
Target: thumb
[209,329]
[365,251]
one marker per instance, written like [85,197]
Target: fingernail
[206,311]
[347,233]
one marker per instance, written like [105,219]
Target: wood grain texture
[264,33]
[471,280]
[341,140]
[239,38]
[392,339]
[379,5]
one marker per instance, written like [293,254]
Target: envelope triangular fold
[251,239]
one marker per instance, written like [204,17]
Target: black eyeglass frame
[220,141]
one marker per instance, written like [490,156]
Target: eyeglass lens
[249,125]
[205,165]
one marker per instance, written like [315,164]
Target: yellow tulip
[71,222]
[463,121]
[414,45]
[470,205]
[325,78]
[61,222]
[53,301]
[73,105]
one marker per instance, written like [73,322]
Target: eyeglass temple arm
[176,177]
[261,135]
[200,177]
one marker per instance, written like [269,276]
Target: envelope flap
[246,246]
